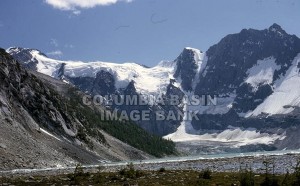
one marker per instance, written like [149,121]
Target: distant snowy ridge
[147,80]
[151,81]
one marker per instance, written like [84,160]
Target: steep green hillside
[125,131]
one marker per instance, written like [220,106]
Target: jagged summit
[276,28]
[17,50]
[192,49]
[188,64]
[26,56]
[236,53]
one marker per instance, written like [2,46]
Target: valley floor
[225,170]
[155,178]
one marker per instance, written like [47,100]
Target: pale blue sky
[141,31]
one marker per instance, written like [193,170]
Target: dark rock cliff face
[60,72]
[248,99]
[26,106]
[104,84]
[85,84]
[186,68]
[31,93]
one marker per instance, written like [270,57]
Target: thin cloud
[73,5]
[76,12]
[54,42]
[56,53]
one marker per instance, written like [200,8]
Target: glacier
[149,81]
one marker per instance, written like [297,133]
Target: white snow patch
[236,135]
[59,166]
[286,95]
[262,72]
[49,134]
[201,60]
[195,50]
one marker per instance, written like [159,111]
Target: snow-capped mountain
[254,74]
[147,80]
[110,78]
[247,69]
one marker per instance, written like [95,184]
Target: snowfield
[286,93]
[262,73]
[147,80]
[237,136]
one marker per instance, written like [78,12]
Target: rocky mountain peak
[25,55]
[236,53]
[104,83]
[130,89]
[187,65]
[276,28]
[20,50]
